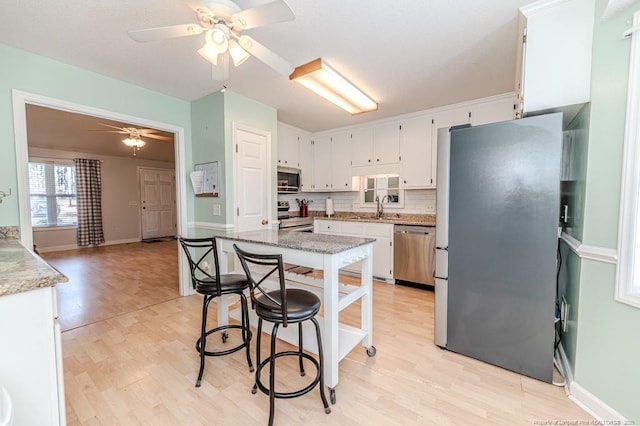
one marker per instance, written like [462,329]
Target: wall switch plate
[216,209]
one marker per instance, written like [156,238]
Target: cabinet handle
[346,184]
[405,181]
[369,160]
[285,161]
[377,159]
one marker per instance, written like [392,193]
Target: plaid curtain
[89,200]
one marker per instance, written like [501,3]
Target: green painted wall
[207,126]
[606,356]
[212,125]
[42,76]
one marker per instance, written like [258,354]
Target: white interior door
[252,180]
[157,199]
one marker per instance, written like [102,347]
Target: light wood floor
[129,359]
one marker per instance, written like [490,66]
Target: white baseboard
[75,246]
[582,397]
[593,405]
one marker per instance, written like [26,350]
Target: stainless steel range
[291,222]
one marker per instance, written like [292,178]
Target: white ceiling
[408,55]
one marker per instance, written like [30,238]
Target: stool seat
[301,306]
[229,283]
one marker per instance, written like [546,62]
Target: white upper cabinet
[288,145]
[416,153]
[306,164]
[493,111]
[554,54]
[322,163]
[361,146]
[386,143]
[341,162]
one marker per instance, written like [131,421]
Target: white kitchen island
[328,253]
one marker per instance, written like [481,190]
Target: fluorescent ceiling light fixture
[326,82]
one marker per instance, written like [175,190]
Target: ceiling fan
[134,135]
[223,22]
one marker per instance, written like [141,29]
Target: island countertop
[22,270]
[317,243]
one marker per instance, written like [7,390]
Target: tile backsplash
[416,201]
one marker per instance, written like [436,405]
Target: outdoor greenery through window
[385,188]
[52,191]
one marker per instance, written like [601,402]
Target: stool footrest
[291,394]
[223,328]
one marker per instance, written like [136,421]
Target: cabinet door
[386,144]
[415,153]
[306,164]
[493,112]
[322,163]
[557,54]
[287,147]
[361,147]
[341,162]
[454,117]
[382,248]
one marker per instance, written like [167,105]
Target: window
[385,188]
[52,191]
[628,267]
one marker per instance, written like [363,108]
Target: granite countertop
[317,243]
[22,270]
[391,218]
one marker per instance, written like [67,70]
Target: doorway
[20,102]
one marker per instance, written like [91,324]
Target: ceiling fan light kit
[320,78]
[223,21]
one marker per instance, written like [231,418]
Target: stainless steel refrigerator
[498,194]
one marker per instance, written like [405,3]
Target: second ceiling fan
[223,22]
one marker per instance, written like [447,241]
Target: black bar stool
[211,286]
[282,306]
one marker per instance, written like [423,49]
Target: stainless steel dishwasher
[414,253]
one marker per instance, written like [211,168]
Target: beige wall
[120,200]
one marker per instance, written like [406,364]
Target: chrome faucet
[379,206]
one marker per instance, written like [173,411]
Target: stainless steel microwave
[288,180]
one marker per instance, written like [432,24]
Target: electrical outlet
[216,209]
[564,313]
[431,208]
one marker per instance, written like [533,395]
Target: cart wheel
[371,351]
[332,395]
[225,336]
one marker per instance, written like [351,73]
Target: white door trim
[21,99]
[235,127]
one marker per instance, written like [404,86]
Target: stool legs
[203,337]
[300,348]
[272,374]
[201,343]
[327,409]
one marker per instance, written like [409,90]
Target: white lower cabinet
[382,248]
[31,357]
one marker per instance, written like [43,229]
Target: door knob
[265,221]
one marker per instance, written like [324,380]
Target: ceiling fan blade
[109,125]
[161,33]
[110,131]
[159,137]
[221,70]
[265,55]
[269,13]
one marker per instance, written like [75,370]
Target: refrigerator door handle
[442,278]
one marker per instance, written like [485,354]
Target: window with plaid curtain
[89,201]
